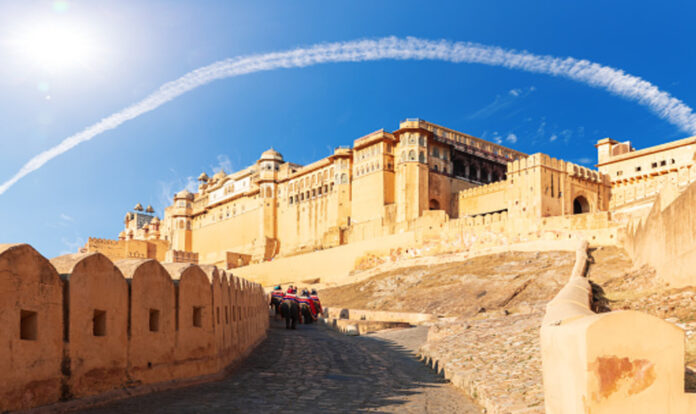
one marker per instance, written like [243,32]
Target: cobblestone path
[314,369]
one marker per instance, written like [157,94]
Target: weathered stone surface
[496,360]
[315,369]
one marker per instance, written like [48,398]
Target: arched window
[412,155]
[344,178]
[421,156]
[421,141]
[403,156]
[436,152]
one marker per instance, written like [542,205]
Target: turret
[181,215]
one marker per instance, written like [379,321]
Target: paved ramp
[314,369]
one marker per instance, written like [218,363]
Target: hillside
[506,281]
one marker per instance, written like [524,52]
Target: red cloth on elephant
[308,301]
[316,303]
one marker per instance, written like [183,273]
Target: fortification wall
[128,249]
[484,199]
[666,238]
[81,325]
[616,362]
[334,265]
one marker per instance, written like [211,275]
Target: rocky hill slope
[501,282]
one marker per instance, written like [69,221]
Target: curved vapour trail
[613,80]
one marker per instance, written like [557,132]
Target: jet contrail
[613,80]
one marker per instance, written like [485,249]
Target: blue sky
[304,113]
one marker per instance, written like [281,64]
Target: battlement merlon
[484,189]
[545,161]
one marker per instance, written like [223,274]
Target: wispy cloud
[71,245]
[167,189]
[511,138]
[501,102]
[585,161]
[63,221]
[593,74]
[223,164]
[553,137]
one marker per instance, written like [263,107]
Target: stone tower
[411,172]
[181,215]
[268,166]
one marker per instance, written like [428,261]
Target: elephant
[290,310]
[306,312]
[275,303]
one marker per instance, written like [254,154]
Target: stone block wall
[80,325]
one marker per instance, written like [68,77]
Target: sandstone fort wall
[666,238]
[81,325]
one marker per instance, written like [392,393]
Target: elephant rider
[306,301]
[276,298]
[277,294]
[315,300]
[290,294]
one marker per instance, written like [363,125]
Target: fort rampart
[82,326]
[616,362]
[665,239]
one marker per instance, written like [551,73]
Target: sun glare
[55,47]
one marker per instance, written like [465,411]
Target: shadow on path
[312,369]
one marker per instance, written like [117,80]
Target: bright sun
[55,47]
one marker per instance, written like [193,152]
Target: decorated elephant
[307,309]
[290,310]
[276,299]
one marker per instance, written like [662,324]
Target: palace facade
[383,185]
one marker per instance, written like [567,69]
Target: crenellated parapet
[132,322]
[181,256]
[484,189]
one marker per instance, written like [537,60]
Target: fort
[160,306]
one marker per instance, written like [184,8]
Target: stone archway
[581,205]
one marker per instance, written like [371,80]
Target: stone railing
[616,362]
[82,326]
[411,318]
